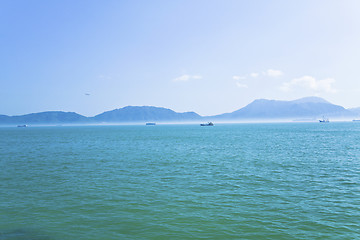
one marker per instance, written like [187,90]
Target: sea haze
[232,181]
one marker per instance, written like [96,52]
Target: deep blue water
[230,181]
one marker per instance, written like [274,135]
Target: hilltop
[309,107]
[260,109]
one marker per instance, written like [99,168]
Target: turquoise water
[241,181]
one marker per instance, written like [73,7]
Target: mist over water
[230,181]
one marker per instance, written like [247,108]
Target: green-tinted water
[244,181]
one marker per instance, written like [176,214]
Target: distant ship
[22,125]
[324,120]
[150,124]
[207,124]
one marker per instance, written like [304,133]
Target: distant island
[309,108]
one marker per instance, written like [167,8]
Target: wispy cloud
[241,85]
[310,83]
[239,77]
[238,83]
[267,73]
[186,77]
[273,73]
[254,75]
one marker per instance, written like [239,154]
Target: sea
[229,181]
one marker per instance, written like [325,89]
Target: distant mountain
[44,118]
[310,100]
[309,107]
[5,119]
[261,109]
[144,114]
[355,110]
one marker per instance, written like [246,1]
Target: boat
[324,120]
[207,124]
[150,124]
[22,125]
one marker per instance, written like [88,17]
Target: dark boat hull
[207,124]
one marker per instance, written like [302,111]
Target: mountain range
[309,108]
[304,108]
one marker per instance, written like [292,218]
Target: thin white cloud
[273,73]
[270,73]
[254,75]
[310,83]
[186,77]
[238,83]
[238,77]
[241,85]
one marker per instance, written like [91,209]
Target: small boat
[324,120]
[22,125]
[150,124]
[207,124]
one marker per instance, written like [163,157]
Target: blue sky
[205,56]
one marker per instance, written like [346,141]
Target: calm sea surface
[240,181]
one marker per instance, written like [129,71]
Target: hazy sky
[205,56]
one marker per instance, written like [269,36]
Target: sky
[206,56]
